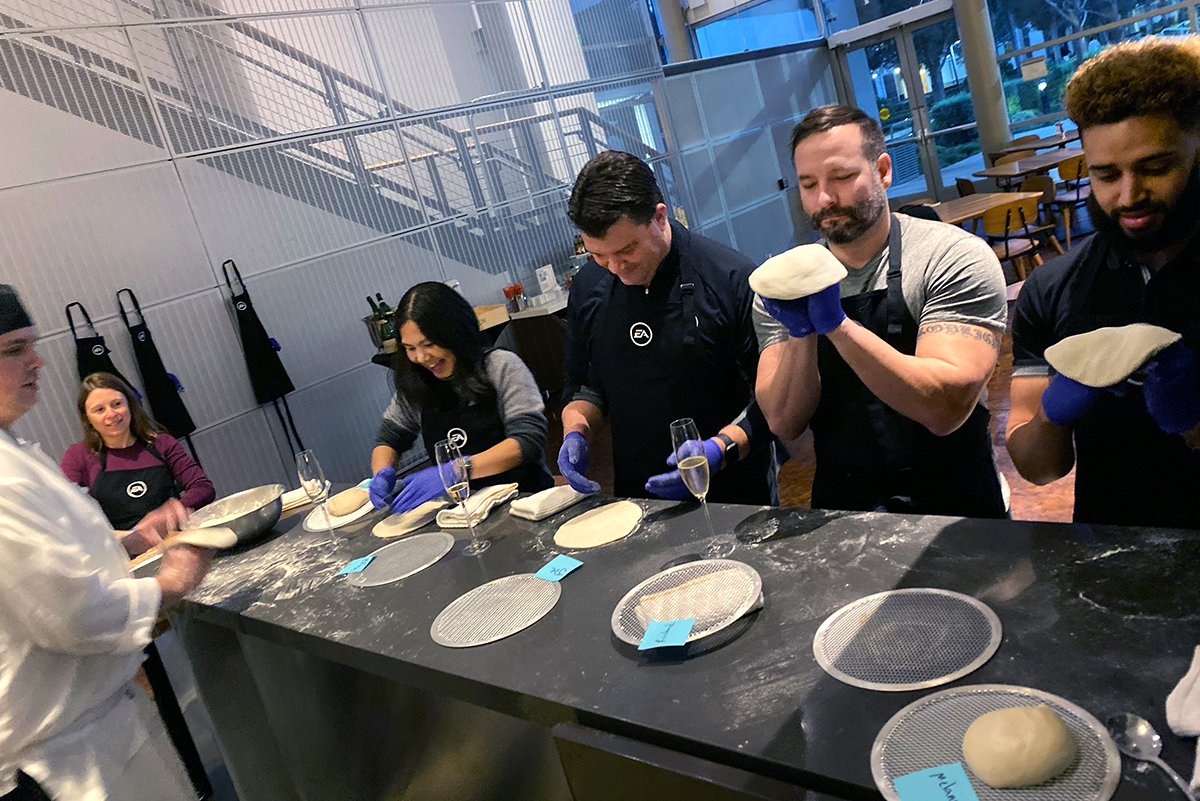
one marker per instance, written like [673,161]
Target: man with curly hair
[1134,444]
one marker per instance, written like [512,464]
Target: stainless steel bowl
[250,513]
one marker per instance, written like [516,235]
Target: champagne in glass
[312,479]
[452,468]
[693,467]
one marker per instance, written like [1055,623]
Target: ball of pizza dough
[348,501]
[1019,746]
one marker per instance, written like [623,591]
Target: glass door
[910,75]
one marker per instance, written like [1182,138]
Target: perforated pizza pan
[495,610]
[402,559]
[929,732]
[907,639]
[715,592]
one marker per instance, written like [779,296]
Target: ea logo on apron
[142,336]
[241,305]
[641,334]
[136,490]
[98,350]
[457,437]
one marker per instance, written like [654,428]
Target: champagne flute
[452,467]
[693,467]
[312,479]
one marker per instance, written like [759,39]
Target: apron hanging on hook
[91,354]
[267,374]
[162,388]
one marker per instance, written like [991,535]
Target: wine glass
[693,467]
[452,468]
[312,480]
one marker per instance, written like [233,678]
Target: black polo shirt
[1128,471]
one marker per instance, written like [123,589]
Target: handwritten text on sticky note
[557,567]
[661,633]
[357,566]
[943,783]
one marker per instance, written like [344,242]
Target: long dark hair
[141,425]
[448,321]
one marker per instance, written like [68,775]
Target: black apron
[474,429]
[656,366]
[126,496]
[162,388]
[1128,471]
[872,458]
[91,354]
[267,374]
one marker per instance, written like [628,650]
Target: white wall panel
[84,238]
[242,453]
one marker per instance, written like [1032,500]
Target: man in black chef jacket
[1134,444]
[658,328]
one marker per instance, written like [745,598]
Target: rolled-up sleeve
[56,592]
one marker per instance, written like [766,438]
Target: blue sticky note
[557,567]
[662,633]
[943,783]
[357,566]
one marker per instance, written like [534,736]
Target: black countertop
[1104,617]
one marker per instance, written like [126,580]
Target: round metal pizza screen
[404,558]
[715,592]
[495,610]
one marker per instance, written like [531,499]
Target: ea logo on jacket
[98,350]
[457,437]
[136,490]
[641,334]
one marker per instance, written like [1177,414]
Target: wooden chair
[1007,183]
[1020,140]
[999,226]
[965,186]
[1075,192]
[1044,226]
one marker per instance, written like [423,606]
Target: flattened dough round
[599,526]
[413,519]
[1019,746]
[797,273]
[1108,356]
[348,502]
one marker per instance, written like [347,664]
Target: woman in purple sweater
[127,462]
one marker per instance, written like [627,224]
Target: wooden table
[1044,143]
[971,207]
[1042,162]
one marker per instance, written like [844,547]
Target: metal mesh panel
[715,592]
[16,14]
[187,9]
[930,731]
[617,39]
[907,639]
[403,559]
[494,611]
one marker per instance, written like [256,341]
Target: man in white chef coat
[73,621]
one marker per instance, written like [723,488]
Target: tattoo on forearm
[972,331]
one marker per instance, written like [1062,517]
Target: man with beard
[659,328]
[1137,106]
[889,366]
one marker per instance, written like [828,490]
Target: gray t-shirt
[946,275]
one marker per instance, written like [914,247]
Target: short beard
[1179,222]
[859,218]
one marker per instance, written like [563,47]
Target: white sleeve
[55,591]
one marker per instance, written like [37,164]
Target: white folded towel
[542,504]
[1183,710]
[479,505]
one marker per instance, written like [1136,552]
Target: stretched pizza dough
[1108,356]
[1019,746]
[413,519]
[348,502]
[694,598]
[797,273]
[599,526]
[207,537]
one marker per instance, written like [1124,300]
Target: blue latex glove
[425,485]
[792,313]
[382,487]
[670,485]
[1066,400]
[573,463]
[825,309]
[1171,390]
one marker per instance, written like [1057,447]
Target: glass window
[767,24]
